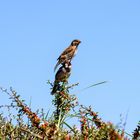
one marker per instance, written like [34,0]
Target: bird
[68,53]
[62,75]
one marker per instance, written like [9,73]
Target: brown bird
[68,53]
[62,75]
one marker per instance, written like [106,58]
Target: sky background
[34,33]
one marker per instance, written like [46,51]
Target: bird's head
[67,64]
[75,42]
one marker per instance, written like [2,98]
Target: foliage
[136,133]
[55,127]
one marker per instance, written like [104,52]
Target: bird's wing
[67,51]
[56,66]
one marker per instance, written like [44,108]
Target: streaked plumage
[68,53]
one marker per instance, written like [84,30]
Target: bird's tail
[56,66]
[56,87]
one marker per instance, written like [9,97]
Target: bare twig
[33,134]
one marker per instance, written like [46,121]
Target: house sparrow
[68,53]
[61,76]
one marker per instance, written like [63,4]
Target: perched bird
[61,76]
[68,53]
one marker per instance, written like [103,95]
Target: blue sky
[34,33]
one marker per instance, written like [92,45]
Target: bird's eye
[74,43]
